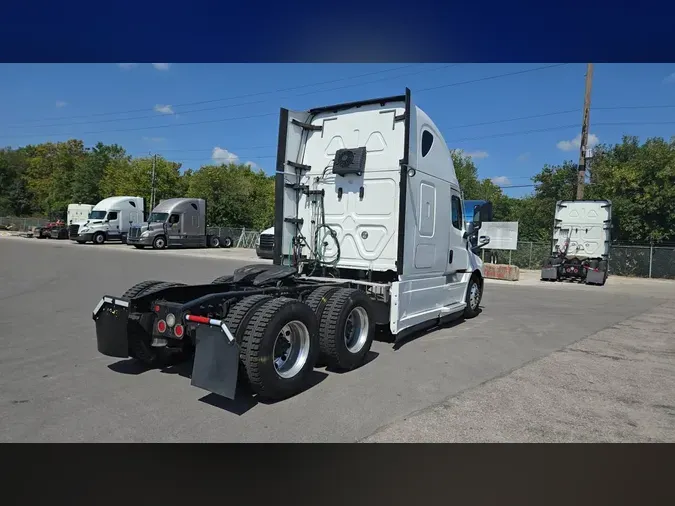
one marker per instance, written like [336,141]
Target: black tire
[317,301]
[223,279]
[473,299]
[227,242]
[342,310]
[260,338]
[159,242]
[214,242]
[140,341]
[139,246]
[237,321]
[99,238]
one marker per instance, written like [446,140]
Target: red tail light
[156,308]
[178,331]
[161,326]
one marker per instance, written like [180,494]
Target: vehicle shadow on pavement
[245,399]
[370,356]
[433,327]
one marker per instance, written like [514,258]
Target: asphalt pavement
[56,387]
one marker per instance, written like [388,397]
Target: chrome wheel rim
[291,349]
[356,329]
[474,295]
[160,243]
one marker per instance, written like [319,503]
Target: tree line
[42,179]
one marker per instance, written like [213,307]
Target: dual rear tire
[282,339]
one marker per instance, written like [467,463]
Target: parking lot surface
[56,387]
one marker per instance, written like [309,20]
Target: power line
[228,106]
[560,127]
[498,76]
[507,74]
[247,95]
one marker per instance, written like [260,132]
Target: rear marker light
[156,308]
[161,326]
[178,331]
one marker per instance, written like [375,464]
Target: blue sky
[40,103]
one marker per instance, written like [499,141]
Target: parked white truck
[369,231]
[109,220]
[582,231]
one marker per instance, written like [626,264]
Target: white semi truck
[369,231]
[582,231]
[109,220]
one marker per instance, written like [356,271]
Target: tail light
[161,326]
[178,331]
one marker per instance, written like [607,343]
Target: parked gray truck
[179,222]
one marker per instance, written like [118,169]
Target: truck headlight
[144,234]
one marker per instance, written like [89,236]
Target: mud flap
[112,317]
[216,364]
[595,277]
[549,273]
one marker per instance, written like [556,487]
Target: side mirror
[483,241]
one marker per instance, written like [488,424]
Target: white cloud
[670,79]
[478,154]
[501,180]
[164,109]
[253,165]
[161,66]
[220,155]
[127,66]
[576,143]
[61,103]
[523,157]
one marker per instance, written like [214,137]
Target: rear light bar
[212,322]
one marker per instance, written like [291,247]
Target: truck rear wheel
[237,321]
[214,242]
[140,341]
[346,329]
[227,242]
[282,345]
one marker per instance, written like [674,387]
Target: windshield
[157,217]
[97,215]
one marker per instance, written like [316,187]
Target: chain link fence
[21,224]
[642,261]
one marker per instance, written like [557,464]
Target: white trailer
[78,213]
[109,220]
[369,231]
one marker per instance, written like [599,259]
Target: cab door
[458,254]
[174,230]
[113,222]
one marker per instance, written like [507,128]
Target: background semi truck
[78,213]
[179,222]
[580,248]
[109,220]
[369,232]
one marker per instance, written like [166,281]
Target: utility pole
[581,174]
[152,193]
